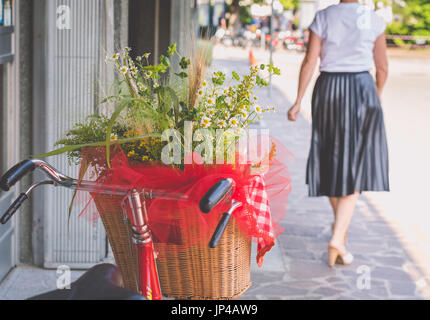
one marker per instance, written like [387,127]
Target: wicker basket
[185,272]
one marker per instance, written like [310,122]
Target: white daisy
[234,122]
[205,122]
[221,123]
[258,109]
[211,112]
[146,55]
[133,71]
[148,74]
[115,56]
[226,115]
[123,69]
[244,115]
[211,101]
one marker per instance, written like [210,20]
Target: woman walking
[348,152]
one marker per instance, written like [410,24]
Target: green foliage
[145,107]
[290,4]
[415,18]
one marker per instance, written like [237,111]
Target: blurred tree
[290,4]
[413,18]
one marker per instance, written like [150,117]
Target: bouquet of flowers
[152,99]
[174,127]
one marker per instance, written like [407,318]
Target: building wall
[173,24]
[25,64]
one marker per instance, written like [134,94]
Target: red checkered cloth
[257,198]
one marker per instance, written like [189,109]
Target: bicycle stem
[148,275]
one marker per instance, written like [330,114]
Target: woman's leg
[333,203]
[344,210]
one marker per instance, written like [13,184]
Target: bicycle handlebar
[14,174]
[215,194]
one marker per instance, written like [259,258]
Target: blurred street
[388,232]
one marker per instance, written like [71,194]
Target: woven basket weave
[185,272]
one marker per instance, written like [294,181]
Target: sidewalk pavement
[296,268]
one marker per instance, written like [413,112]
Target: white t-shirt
[348,32]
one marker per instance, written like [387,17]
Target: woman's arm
[306,72]
[381,62]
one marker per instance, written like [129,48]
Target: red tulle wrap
[264,196]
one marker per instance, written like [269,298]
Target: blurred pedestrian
[348,152]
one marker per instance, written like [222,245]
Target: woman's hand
[294,111]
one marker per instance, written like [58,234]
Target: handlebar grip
[215,194]
[13,208]
[14,174]
[219,230]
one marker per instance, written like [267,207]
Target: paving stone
[391,274]
[402,288]
[282,290]
[327,291]
[389,261]
[306,270]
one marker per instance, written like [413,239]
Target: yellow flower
[204,84]
[123,69]
[244,115]
[115,56]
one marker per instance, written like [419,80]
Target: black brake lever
[223,224]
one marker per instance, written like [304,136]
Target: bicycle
[149,284]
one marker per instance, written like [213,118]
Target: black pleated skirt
[349,146]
